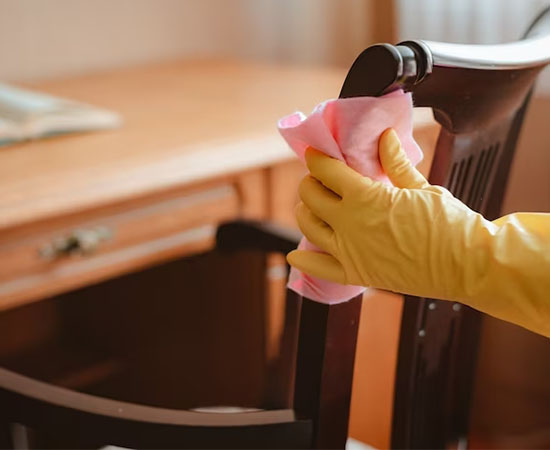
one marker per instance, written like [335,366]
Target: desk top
[185,122]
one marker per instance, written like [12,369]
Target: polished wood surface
[184,122]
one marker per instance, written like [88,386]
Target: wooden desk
[195,149]
[199,146]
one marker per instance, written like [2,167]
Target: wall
[51,38]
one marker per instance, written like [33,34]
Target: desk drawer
[109,243]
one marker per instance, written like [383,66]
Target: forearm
[513,281]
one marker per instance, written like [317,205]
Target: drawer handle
[80,241]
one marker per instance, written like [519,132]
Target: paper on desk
[30,115]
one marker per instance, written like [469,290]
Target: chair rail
[531,51]
[514,55]
[12,383]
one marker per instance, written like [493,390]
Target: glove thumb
[396,164]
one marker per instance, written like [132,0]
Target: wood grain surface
[183,122]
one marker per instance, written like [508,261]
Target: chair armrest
[254,235]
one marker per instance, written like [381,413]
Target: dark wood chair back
[479,95]
[320,350]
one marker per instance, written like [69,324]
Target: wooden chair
[479,95]
[322,363]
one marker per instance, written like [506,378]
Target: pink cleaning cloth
[347,129]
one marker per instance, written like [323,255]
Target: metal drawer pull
[80,241]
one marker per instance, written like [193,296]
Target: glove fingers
[320,200]
[332,173]
[319,265]
[396,164]
[314,229]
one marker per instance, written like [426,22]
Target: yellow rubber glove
[415,238]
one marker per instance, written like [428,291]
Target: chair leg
[6,440]
[279,393]
[324,368]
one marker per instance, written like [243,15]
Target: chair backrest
[479,95]
[320,349]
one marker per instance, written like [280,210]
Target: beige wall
[50,38]
[529,186]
